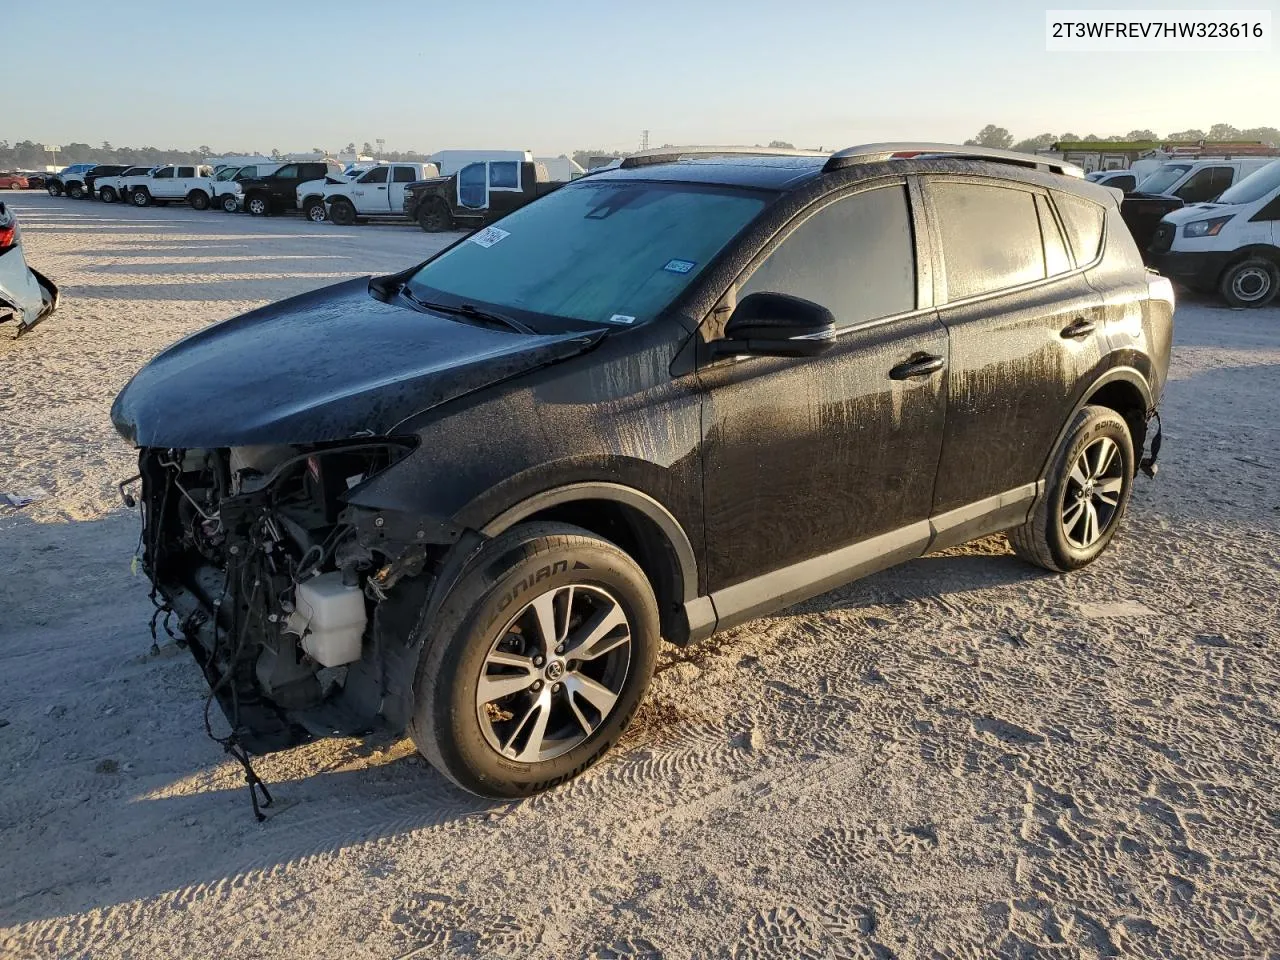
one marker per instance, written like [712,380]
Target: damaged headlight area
[300,608]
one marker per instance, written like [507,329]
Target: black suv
[468,499]
[278,191]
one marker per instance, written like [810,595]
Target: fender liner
[1121,374]
[628,496]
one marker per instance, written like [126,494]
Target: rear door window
[856,257]
[405,175]
[186,171]
[1083,220]
[990,237]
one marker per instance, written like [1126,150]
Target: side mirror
[777,325]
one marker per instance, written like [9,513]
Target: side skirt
[781,588]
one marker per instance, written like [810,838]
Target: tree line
[994,136]
[30,155]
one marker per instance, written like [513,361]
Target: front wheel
[315,211]
[76,191]
[342,213]
[434,217]
[229,203]
[1086,491]
[1250,283]
[538,660]
[258,205]
[55,190]
[198,199]
[140,197]
[107,195]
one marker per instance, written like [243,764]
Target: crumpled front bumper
[25,292]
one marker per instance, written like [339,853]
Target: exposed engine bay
[300,609]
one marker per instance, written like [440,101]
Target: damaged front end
[302,610]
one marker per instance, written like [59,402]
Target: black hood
[327,365]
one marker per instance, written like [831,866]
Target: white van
[1195,181]
[1231,245]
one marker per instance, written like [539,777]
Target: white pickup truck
[378,192]
[111,189]
[170,182]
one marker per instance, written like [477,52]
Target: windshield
[1257,185]
[595,251]
[226,173]
[1164,178]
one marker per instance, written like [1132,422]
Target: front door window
[473,186]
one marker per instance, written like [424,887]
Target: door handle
[1078,329]
[918,365]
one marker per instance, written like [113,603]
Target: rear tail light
[8,231]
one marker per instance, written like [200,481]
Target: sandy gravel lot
[963,757]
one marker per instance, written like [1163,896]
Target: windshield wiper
[467,310]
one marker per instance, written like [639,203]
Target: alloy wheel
[554,673]
[1091,499]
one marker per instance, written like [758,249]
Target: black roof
[761,172]
[787,173]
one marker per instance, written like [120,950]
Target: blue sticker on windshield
[679,266]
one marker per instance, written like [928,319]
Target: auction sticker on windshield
[489,236]
[679,266]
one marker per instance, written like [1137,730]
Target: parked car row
[457,189]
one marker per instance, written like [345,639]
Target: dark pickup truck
[477,194]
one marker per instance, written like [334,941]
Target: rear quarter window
[990,237]
[1083,220]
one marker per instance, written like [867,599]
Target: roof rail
[671,154]
[877,152]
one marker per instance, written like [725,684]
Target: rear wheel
[434,217]
[257,204]
[198,199]
[342,212]
[315,211]
[537,662]
[141,197]
[1250,283]
[1086,492]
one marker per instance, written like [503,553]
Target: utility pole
[644,139]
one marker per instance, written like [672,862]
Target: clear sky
[555,76]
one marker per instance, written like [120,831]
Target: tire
[315,211]
[342,212]
[141,197]
[15,185]
[229,203]
[258,204]
[494,602]
[198,199]
[76,191]
[434,217]
[1250,283]
[55,190]
[107,195]
[1057,535]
